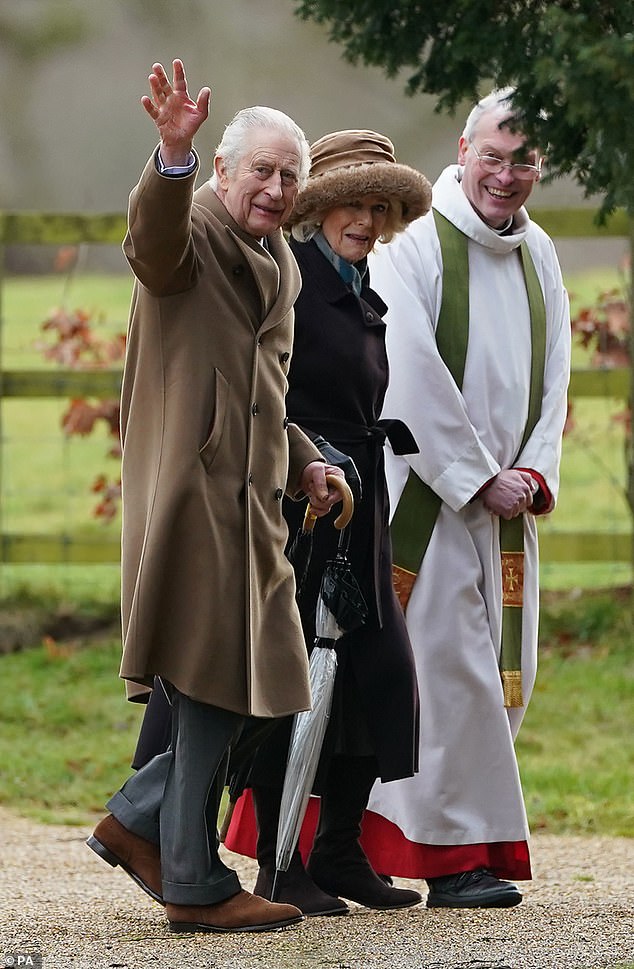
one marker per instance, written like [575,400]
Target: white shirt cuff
[175,169]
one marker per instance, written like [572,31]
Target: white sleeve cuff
[175,169]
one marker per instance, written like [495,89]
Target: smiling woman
[356,195]
[352,229]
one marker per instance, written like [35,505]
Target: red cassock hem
[388,849]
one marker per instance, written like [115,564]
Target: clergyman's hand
[176,116]
[510,493]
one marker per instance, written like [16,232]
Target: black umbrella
[340,609]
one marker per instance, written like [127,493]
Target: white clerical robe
[468,786]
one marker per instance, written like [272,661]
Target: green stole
[418,508]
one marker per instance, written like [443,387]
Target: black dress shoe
[472,889]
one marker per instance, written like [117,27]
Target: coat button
[254,409]
[238,270]
[286,422]
[279,494]
[369,316]
[284,357]
[250,479]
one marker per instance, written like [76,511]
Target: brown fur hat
[347,165]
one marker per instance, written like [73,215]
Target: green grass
[593,469]
[67,734]
[67,585]
[576,745]
[584,287]
[592,494]
[28,300]
[46,479]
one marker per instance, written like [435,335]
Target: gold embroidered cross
[512,578]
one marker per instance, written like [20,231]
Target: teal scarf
[351,273]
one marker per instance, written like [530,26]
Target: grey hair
[304,231]
[499,100]
[232,143]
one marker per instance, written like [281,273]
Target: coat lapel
[290,280]
[274,271]
[264,268]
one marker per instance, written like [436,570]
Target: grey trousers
[174,799]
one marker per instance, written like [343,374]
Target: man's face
[495,197]
[260,194]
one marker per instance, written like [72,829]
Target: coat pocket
[209,449]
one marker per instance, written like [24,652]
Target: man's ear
[221,172]
[463,144]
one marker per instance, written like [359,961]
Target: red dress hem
[389,851]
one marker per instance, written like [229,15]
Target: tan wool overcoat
[207,594]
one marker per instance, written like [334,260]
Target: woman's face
[352,229]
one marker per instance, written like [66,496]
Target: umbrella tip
[274,887]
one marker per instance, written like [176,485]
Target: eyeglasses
[494,165]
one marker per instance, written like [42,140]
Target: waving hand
[176,116]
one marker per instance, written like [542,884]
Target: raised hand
[176,116]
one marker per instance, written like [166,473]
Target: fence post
[2,272]
[630,434]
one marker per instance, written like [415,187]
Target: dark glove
[340,460]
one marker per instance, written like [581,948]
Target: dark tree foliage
[572,64]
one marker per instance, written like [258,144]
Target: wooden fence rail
[73,229]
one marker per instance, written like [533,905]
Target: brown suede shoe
[141,859]
[240,913]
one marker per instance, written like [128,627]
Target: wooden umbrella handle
[347,498]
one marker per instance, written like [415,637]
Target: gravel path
[58,898]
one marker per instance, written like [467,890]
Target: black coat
[337,382]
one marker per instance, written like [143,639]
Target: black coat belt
[346,432]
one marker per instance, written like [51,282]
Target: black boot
[338,863]
[294,886]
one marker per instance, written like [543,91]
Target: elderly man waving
[207,594]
